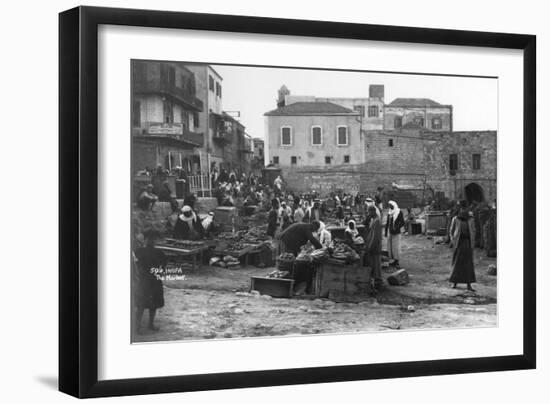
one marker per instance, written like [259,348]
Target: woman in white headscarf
[324,236]
[352,234]
[394,224]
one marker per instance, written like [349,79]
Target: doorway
[474,193]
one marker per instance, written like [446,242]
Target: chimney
[376,91]
[283,92]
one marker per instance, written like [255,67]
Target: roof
[311,108]
[414,102]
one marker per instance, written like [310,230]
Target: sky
[253,91]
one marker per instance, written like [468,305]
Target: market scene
[345,214]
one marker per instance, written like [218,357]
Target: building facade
[224,146]
[305,134]
[418,113]
[457,165]
[165,108]
[370,109]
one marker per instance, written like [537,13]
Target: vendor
[298,234]
[147,198]
[324,236]
[370,202]
[352,234]
[188,225]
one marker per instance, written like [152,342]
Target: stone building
[234,146]
[418,113]
[370,109]
[224,144]
[306,134]
[407,145]
[165,108]
[258,148]
[457,165]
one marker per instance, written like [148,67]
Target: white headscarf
[186,219]
[325,238]
[395,209]
[354,232]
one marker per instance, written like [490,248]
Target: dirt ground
[214,302]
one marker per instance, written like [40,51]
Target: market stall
[184,251]
[318,272]
[244,245]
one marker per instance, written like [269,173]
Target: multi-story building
[409,145]
[235,147]
[165,111]
[258,148]
[224,135]
[418,113]
[313,134]
[370,109]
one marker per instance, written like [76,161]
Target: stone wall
[414,160]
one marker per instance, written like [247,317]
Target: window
[183,82]
[346,159]
[293,160]
[286,136]
[136,114]
[218,89]
[168,112]
[275,159]
[196,119]
[373,111]
[316,136]
[398,122]
[211,83]
[476,161]
[390,142]
[360,109]
[453,163]
[418,121]
[328,160]
[436,123]
[342,136]
[185,119]
[172,76]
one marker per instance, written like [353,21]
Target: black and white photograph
[272,201]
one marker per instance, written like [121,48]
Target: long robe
[463,240]
[148,290]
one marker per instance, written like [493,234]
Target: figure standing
[463,241]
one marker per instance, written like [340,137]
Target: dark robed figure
[148,289]
[463,240]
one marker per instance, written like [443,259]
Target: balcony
[223,137]
[175,132]
[169,91]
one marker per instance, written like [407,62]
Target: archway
[473,192]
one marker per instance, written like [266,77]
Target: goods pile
[285,262]
[308,253]
[279,274]
[226,262]
[183,244]
[344,253]
[252,236]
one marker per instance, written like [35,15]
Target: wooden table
[184,252]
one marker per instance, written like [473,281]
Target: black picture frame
[78,207]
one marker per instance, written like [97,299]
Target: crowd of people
[294,220]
